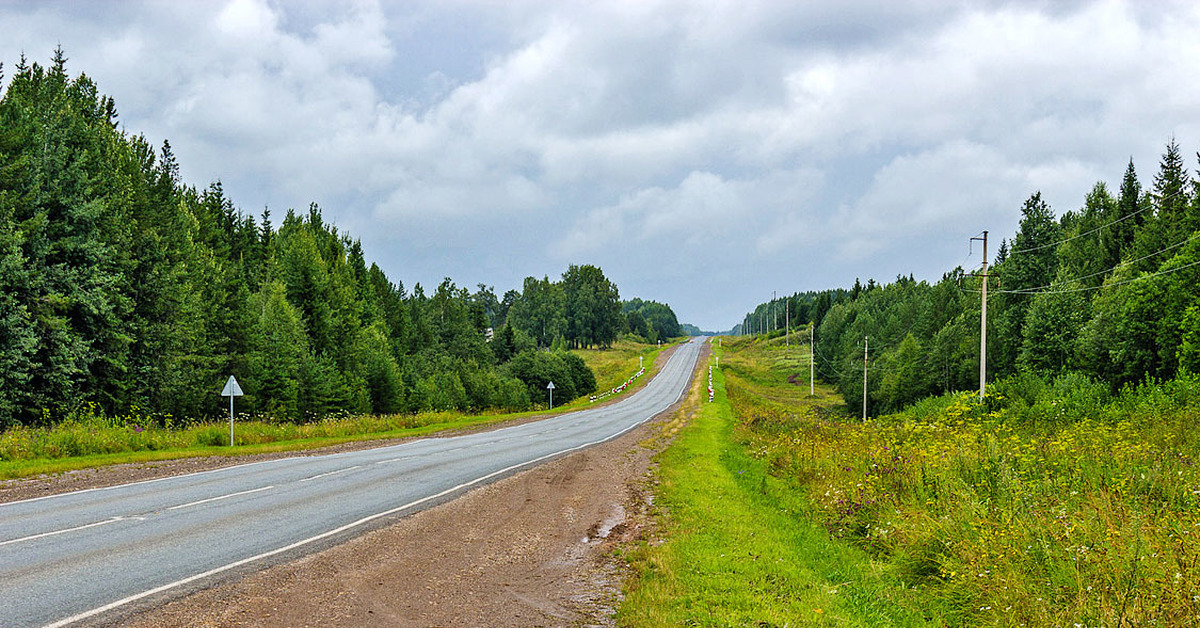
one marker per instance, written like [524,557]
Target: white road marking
[151,481]
[325,475]
[349,526]
[213,499]
[166,587]
[63,531]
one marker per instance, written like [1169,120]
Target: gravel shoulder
[533,549]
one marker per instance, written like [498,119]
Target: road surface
[70,558]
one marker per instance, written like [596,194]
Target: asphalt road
[91,555]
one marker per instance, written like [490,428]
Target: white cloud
[763,145]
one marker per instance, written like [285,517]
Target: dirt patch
[795,379]
[534,549]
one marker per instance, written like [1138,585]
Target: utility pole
[787,322]
[812,355]
[772,310]
[866,340]
[983,322]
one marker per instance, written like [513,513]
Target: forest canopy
[1109,291]
[123,287]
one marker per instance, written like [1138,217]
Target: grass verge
[738,549]
[1051,503]
[91,439]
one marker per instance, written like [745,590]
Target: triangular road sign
[231,388]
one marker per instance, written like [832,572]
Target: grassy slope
[615,365]
[1052,504]
[738,550]
[98,441]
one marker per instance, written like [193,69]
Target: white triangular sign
[231,388]
[550,386]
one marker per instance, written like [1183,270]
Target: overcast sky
[704,154]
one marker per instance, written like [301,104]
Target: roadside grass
[737,548]
[615,365]
[1085,514]
[88,438]
[99,440]
[1050,504]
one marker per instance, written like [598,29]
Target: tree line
[123,287]
[650,321]
[1109,291]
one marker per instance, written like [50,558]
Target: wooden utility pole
[983,321]
[787,322]
[812,354]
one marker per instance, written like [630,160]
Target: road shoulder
[533,549]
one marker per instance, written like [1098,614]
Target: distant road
[69,558]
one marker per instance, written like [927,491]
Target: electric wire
[1108,285]
[830,364]
[1047,288]
[1148,207]
[1039,289]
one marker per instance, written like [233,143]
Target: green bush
[536,369]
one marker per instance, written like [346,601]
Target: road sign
[550,387]
[231,390]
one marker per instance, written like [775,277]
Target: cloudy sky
[704,154]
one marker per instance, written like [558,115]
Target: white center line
[391,460]
[213,499]
[56,532]
[332,473]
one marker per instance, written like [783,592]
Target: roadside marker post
[231,390]
[550,387]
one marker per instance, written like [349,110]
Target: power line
[1086,233]
[970,249]
[1046,289]
[1105,272]
[1104,226]
[1117,283]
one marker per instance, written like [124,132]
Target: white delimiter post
[812,354]
[866,339]
[983,325]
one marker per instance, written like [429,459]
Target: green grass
[100,441]
[1054,503]
[90,439]
[738,550]
[616,364]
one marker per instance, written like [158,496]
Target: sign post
[231,390]
[550,387]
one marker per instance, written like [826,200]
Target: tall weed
[1051,503]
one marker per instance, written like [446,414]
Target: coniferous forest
[122,287]
[1108,294]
